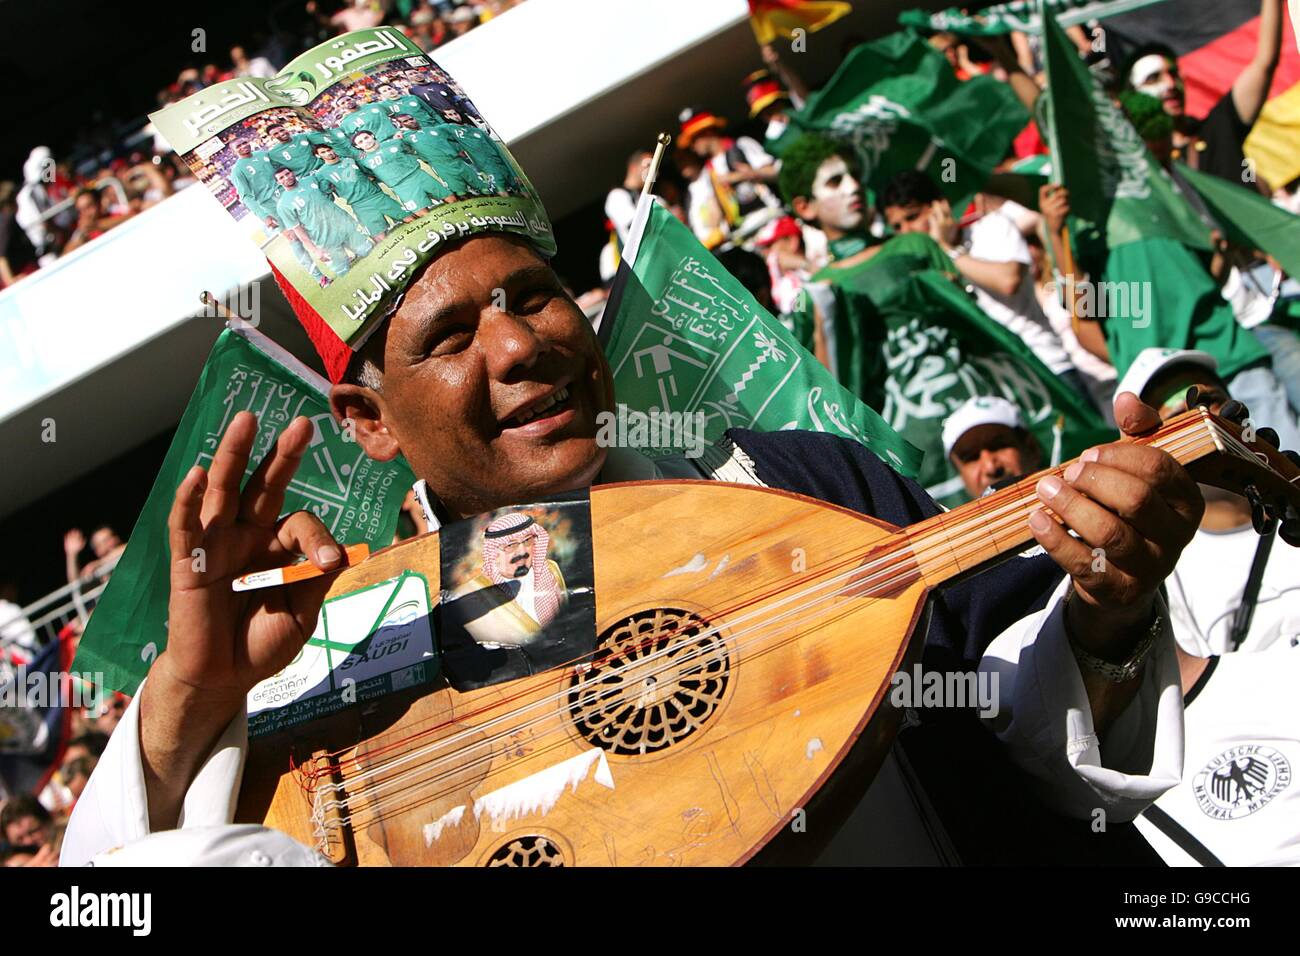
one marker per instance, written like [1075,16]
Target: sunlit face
[485,340]
[837,196]
[515,560]
[987,454]
[1158,76]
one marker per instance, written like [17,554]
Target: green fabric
[411,106]
[348,181]
[897,101]
[357,498]
[1183,308]
[1118,192]
[846,246]
[778,145]
[373,119]
[397,166]
[1249,219]
[299,154]
[341,142]
[687,337]
[254,180]
[445,155]
[1020,16]
[914,346]
[486,155]
[307,205]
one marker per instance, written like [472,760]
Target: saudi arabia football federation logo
[1240,781]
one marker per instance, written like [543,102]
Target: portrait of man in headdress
[508,610]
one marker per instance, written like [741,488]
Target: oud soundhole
[656,678]
[527,851]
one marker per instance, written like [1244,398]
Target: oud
[718,703]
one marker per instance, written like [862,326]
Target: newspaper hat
[981,410]
[366,161]
[1150,362]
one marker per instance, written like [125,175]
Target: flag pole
[1066,265]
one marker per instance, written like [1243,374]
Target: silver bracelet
[1116,673]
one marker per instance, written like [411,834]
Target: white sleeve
[113,809]
[995,238]
[620,209]
[754,154]
[1045,721]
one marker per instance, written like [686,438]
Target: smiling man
[487,377]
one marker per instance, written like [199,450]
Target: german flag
[773,18]
[1214,40]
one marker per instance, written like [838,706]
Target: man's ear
[362,410]
[805,209]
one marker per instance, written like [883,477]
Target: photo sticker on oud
[518,594]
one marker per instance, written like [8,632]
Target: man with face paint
[1213,144]
[490,381]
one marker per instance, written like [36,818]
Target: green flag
[899,103]
[686,337]
[912,344]
[1116,187]
[1019,16]
[1249,219]
[358,499]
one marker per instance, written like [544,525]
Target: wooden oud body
[713,712]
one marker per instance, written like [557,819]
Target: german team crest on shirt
[1240,781]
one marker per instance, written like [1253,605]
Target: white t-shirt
[1207,585]
[994,238]
[1239,797]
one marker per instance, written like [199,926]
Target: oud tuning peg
[1234,411]
[1261,512]
[1292,456]
[1289,531]
[1193,396]
[1269,435]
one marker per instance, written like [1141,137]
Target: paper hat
[694,122]
[1150,362]
[981,410]
[412,168]
[761,91]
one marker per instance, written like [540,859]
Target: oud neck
[959,541]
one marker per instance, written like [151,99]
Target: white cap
[231,845]
[981,410]
[1150,362]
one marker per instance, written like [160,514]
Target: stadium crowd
[808,228]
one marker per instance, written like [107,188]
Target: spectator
[781,244]
[17,254]
[18,642]
[24,822]
[733,180]
[91,220]
[258,66]
[105,544]
[357,15]
[1213,144]
[620,203]
[990,253]
[987,442]
[36,198]
[1209,582]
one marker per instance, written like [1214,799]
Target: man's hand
[943,228]
[221,642]
[272,222]
[1054,204]
[73,543]
[1140,508]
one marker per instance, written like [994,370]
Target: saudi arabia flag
[914,345]
[1249,219]
[898,102]
[684,337]
[357,498]
[1021,16]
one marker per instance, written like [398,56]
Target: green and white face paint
[838,195]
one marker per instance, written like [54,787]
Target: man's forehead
[830,168]
[985,436]
[469,276]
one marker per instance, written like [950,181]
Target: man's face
[280,134]
[484,337]
[242,149]
[914,217]
[347,104]
[387,92]
[706,144]
[1158,76]
[327,155]
[836,196]
[103,541]
[986,454]
[638,169]
[364,142]
[515,560]
[87,209]
[26,831]
[286,178]
[405,121]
